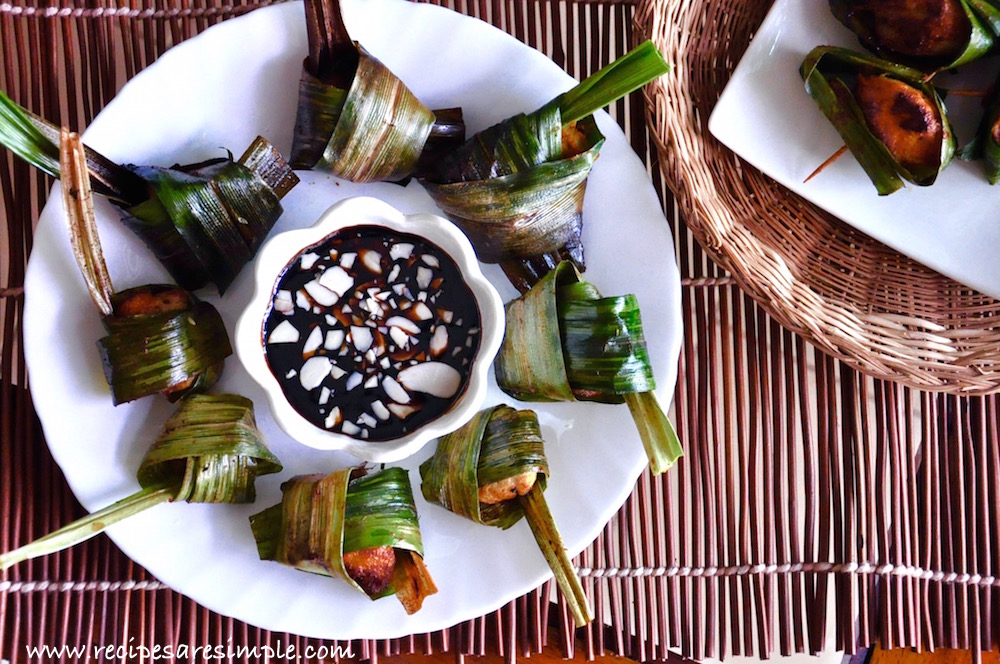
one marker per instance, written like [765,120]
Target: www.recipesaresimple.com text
[191,653]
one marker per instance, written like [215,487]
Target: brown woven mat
[806,485]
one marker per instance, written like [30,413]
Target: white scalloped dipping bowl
[281,250]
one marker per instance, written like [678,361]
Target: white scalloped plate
[219,90]
[765,116]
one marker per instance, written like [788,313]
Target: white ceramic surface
[766,116]
[219,90]
[283,248]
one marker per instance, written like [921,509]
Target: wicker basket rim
[864,303]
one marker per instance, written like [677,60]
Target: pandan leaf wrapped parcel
[493,471]
[351,526]
[161,339]
[985,144]
[355,118]
[924,34]
[565,342]
[891,119]
[517,188]
[202,221]
[210,451]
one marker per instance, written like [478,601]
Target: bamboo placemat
[809,491]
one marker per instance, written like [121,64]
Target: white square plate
[766,116]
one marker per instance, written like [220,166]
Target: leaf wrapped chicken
[493,471]
[210,451]
[348,525]
[891,119]
[203,221]
[161,339]
[985,144]
[517,188]
[925,34]
[565,342]
[355,118]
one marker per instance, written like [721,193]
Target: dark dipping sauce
[371,332]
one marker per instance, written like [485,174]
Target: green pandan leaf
[566,342]
[149,353]
[210,451]
[828,72]
[355,118]
[204,222]
[498,445]
[517,188]
[323,517]
[985,144]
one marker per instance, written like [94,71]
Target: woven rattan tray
[852,296]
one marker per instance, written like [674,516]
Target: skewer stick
[834,157]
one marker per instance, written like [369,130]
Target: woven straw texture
[817,507]
[852,296]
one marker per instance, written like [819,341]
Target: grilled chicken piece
[574,141]
[371,568]
[412,582]
[921,28]
[144,302]
[903,118]
[511,487]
